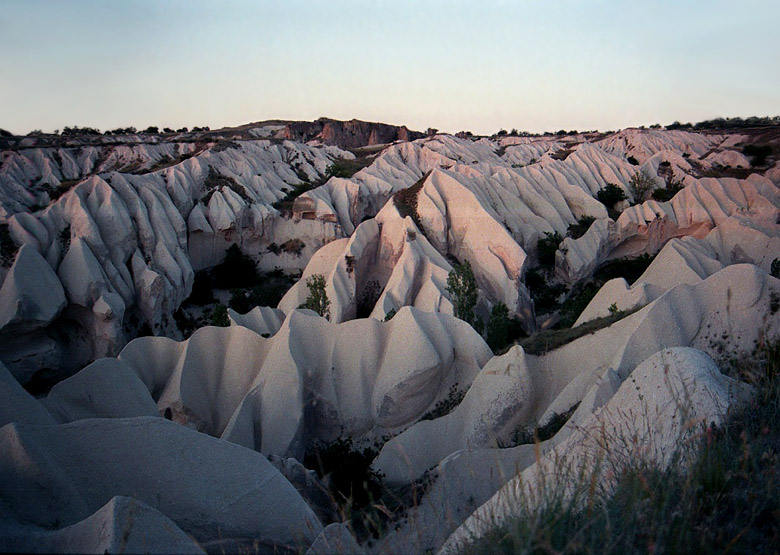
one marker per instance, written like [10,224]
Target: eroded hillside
[614,275]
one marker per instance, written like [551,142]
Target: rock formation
[137,440]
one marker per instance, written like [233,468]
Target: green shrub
[579,229]
[548,340]
[293,246]
[285,204]
[64,239]
[575,304]
[498,327]
[220,316]
[462,286]
[610,194]
[186,324]
[318,299]
[667,194]
[546,298]
[546,248]
[240,301]
[389,316]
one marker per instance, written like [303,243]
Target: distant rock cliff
[348,134]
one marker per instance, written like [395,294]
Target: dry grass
[724,499]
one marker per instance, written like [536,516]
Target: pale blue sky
[531,64]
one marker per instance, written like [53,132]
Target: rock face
[348,134]
[164,445]
[79,467]
[17,405]
[105,389]
[123,525]
[31,297]
[389,263]
[645,228]
[737,239]
[125,246]
[310,382]
[261,319]
[643,418]
[517,390]
[139,218]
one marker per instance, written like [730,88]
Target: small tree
[220,316]
[462,285]
[498,327]
[546,248]
[775,269]
[640,184]
[318,299]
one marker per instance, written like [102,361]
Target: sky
[534,65]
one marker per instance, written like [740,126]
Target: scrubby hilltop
[600,262]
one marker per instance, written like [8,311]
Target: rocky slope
[214,434]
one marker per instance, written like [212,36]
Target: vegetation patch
[640,185]
[544,292]
[56,191]
[628,268]
[221,146]
[580,228]
[447,405]
[346,469]
[285,205]
[405,201]
[535,434]
[610,194]
[236,270]
[546,248]
[758,153]
[215,181]
[8,247]
[292,246]
[573,306]
[345,169]
[317,300]
[368,298]
[549,340]
[501,330]
[667,194]
[365,504]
